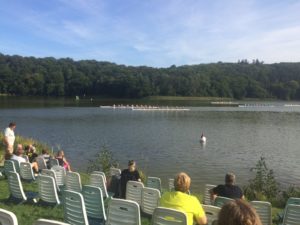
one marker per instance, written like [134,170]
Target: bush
[264,185]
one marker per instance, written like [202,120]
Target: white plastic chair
[134,191]
[51,173]
[122,212]
[41,163]
[9,166]
[207,200]
[264,211]
[220,201]
[73,182]
[47,190]
[17,165]
[94,204]
[98,172]
[211,212]
[60,173]
[15,187]
[98,180]
[114,171]
[49,222]
[150,200]
[53,162]
[171,184]
[8,218]
[154,182]
[26,171]
[167,216]
[292,215]
[74,208]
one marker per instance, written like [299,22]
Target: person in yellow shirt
[182,201]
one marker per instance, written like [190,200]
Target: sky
[157,33]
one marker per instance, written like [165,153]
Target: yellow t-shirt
[183,202]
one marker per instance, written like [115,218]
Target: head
[131,165]
[238,212]
[230,179]
[45,152]
[182,182]
[12,125]
[19,151]
[61,153]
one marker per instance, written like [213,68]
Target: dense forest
[66,77]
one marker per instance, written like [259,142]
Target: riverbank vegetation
[29,76]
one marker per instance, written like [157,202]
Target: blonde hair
[238,212]
[182,182]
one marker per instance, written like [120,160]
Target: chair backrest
[47,189]
[211,213]
[150,199]
[154,182]
[15,186]
[293,200]
[101,173]
[51,173]
[93,200]
[8,218]
[220,201]
[114,171]
[73,182]
[26,171]
[74,208]
[98,180]
[171,184]
[53,162]
[291,215]
[120,210]
[264,211]
[17,165]
[207,189]
[49,222]
[134,191]
[167,216]
[9,166]
[60,173]
[41,162]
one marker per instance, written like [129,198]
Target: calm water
[164,143]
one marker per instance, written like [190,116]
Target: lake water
[164,143]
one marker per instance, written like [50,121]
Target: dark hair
[45,151]
[238,212]
[229,178]
[131,162]
[12,124]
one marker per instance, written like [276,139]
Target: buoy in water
[202,138]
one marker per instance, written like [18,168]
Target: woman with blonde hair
[62,160]
[238,212]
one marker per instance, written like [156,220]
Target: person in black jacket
[129,174]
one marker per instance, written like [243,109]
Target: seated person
[46,156]
[236,213]
[129,174]
[182,201]
[229,190]
[18,156]
[30,152]
[62,161]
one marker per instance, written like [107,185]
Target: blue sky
[156,33]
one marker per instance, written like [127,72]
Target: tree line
[30,76]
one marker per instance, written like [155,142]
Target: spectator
[18,156]
[238,212]
[30,151]
[9,139]
[129,174]
[46,156]
[229,190]
[62,160]
[182,201]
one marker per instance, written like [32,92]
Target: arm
[202,220]
[213,195]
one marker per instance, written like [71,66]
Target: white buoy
[202,138]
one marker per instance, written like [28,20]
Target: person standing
[9,139]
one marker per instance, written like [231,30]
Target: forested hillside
[66,77]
